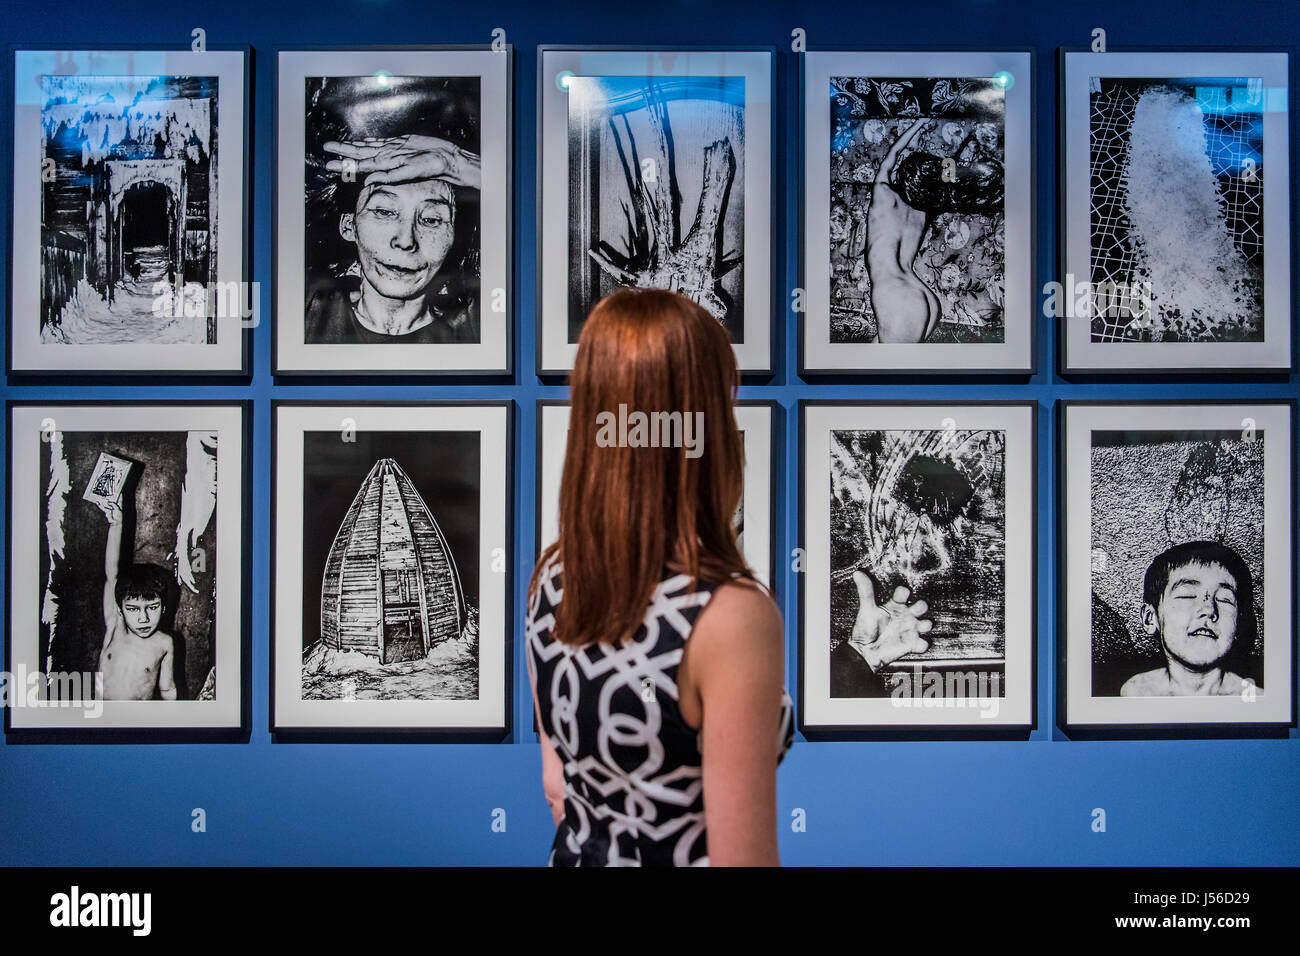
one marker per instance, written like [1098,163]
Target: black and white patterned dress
[633,783]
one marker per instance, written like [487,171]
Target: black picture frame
[162,733]
[393,733]
[1013,371]
[1120,729]
[970,730]
[247,278]
[1084,370]
[451,374]
[772,286]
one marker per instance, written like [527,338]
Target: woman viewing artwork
[654,654]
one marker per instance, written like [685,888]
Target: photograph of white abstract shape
[1173,178]
[1172,258]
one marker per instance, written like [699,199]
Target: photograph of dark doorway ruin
[128,209]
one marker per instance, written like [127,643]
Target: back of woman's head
[654,465]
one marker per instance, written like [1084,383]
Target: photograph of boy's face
[1197,615]
[403,232]
[142,615]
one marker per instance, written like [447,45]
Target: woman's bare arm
[736,666]
[552,769]
[885,173]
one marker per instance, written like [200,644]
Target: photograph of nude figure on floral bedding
[918,225]
[917,212]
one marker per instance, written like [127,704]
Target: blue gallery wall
[1176,802]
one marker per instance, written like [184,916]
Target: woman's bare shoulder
[739,613]
[737,641]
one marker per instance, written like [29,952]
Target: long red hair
[626,513]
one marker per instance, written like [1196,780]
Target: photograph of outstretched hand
[917,550]
[1172,514]
[917,601]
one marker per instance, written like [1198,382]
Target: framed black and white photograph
[655,170]
[1175,211]
[918,546]
[918,212]
[128,220]
[127,544]
[755,517]
[1177,536]
[392,566]
[393,194]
